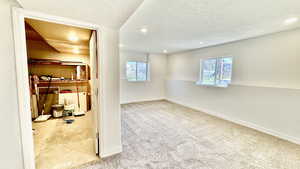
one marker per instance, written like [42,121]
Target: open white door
[94,83]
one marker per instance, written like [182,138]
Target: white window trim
[199,82]
[147,72]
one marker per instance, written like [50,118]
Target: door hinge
[97,135]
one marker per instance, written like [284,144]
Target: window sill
[208,85]
[138,81]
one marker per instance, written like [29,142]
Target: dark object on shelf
[69,121]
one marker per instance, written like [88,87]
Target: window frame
[217,72]
[201,70]
[136,71]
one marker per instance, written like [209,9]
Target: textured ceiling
[109,13]
[178,25]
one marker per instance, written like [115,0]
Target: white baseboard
[241,122]
[143,100]
[111,152]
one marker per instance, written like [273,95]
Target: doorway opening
[63,82]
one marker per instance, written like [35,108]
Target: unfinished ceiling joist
[54,62]
[62,38]
[32,34]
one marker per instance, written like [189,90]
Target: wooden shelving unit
[32,62]
[37,84]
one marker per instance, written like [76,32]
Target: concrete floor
[163,135]
[59,145]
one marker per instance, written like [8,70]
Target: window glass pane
[141,71]
[225,69]
[209,71]
[131,71]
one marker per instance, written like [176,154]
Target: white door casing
[94,83]
[19,16]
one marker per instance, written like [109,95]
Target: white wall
[266,81]
[10,142]
[154,88]
[111,130]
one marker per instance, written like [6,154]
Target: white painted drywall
[10,142]
[154,88]
[266,82]
[111,131]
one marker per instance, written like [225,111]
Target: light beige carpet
[163,135]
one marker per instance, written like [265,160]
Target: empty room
[150,84]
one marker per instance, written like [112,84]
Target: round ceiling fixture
[291,20]
[76,50]
[144,30]
[73,37]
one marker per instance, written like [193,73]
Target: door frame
[19,16]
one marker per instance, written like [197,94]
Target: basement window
[215,72]
[137,71]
